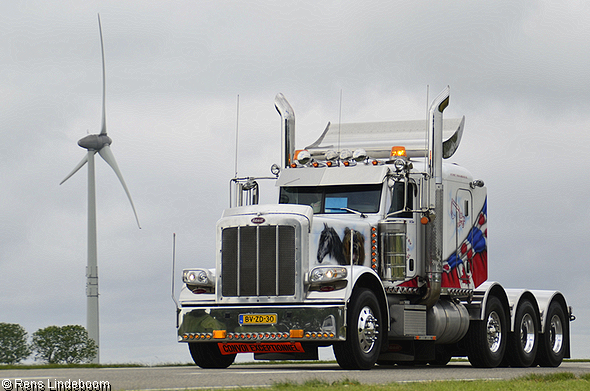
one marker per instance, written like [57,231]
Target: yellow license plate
[257,319]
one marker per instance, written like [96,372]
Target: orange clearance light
[398,151]
[329,164]
[296,333]
[424,220]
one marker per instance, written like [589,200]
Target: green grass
[551,382]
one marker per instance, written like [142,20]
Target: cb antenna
[339,119]
[237,124]
[173,272]
[427,118]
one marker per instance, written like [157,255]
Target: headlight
[359,155]
[302,156]
[345,154]
[399,164]
[331,155]
[325,274]
[198,277]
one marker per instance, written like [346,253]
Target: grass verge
[550,382]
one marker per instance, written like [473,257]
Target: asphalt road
[263,375]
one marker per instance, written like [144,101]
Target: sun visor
[323,176]
[377,138]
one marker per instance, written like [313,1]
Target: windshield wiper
[356,212]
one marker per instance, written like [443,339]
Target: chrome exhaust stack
[434,228]
[287,129]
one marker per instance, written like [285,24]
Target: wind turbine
[96,143]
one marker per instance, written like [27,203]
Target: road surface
[260,375]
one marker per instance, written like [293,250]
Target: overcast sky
[518,70]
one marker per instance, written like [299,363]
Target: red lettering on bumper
[278,347]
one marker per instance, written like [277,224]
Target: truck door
[463,215]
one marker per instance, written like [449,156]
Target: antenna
[427,119]
[237,123]
[173,267]
[339,119]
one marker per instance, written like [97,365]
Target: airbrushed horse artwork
[330,245]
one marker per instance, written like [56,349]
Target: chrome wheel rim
[494,331]
[555,334]
[367,329]
[527,333]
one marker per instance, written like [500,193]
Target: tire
[555,339]
[207,355]
[363,333]
[486,339]
[524,341]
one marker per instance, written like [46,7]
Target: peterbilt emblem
[258,220]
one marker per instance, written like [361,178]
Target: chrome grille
[258,261]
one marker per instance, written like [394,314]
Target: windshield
[334,199]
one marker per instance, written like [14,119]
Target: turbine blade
[106,153]
[79,166]
[103,126]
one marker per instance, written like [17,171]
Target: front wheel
[486,339]
[523,343]
[363,333]
[207,355]
[555,339]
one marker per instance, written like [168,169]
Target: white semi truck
[376,247]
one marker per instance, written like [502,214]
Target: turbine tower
[96,143]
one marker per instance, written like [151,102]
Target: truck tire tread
[207,355]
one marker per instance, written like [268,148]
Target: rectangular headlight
[326,274]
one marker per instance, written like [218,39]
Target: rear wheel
[523,343]
[486,339]
[554,341]
[207,355]
[363,337]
